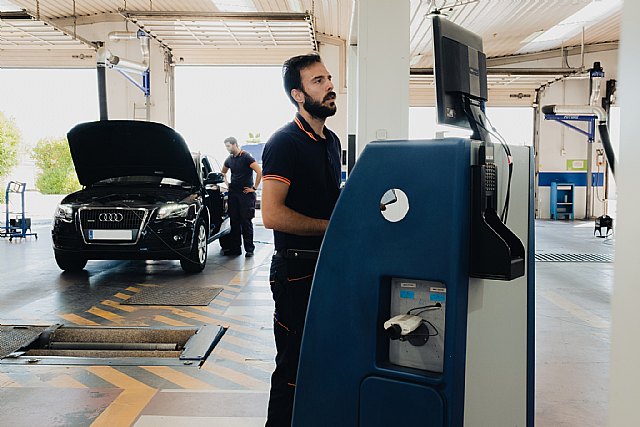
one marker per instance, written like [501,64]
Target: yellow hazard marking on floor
[122,296]
[207,309]
[178,378]
[220,352]
[65,381]
[209,320]
[169,321]
[575,310]
[190,315]
[221,303]
[240,278]
[149,285]
[78,320]
[235,376]
[119,306]
[7,381]
[106,314]
[249,345]
[127,406]
[132,289]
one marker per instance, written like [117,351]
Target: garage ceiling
[266,31]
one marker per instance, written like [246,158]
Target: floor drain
[546,257]
[174,296]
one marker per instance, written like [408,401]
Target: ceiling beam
[511,71]
[227,16]
[62,29]
[548,54]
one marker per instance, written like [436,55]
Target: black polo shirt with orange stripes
[310,165]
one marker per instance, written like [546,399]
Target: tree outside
[10,138]
[56,173]
[254,138]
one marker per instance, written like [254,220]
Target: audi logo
[110,217]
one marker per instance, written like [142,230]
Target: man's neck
[316,124]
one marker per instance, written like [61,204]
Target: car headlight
[173,210]
[64,213]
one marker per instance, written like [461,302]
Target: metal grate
[180,296]
[112,219]
[546,257]
[13,338]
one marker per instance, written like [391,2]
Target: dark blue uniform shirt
[310,165]
[241,172]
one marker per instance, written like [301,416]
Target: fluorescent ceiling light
[234,5]
[532,36]
[594,12]
[7,6]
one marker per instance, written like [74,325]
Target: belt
[300,254]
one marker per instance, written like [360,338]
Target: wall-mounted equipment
[105,59]
[596,118]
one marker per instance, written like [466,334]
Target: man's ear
[297,95]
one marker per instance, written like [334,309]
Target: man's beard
[316,109]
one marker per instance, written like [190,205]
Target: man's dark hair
[291,72]
[231,140]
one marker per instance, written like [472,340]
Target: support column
[625,341]
[382,71]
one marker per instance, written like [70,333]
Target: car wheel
[198,255]
[70,262]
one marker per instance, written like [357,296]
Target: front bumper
[157,240]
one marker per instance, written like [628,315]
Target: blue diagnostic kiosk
[421,311]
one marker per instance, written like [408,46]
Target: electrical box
[427,300]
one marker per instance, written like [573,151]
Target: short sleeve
[226,163]
[278,158]
[248,158]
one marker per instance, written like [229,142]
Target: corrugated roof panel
[504,24]
[30,33]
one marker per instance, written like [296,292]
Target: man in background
[242,198]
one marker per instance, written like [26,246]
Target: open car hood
[115,148]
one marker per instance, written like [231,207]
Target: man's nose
[329,86]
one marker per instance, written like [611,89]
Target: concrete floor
[573,317]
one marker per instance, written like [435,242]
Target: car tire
[70,262]
[198,254]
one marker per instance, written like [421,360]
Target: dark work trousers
[290,284]
[242,210]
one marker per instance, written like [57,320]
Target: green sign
[577,165]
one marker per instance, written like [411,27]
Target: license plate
[110,234]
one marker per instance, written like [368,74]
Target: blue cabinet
[561,200]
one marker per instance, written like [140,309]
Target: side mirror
[214,178]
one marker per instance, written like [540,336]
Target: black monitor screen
[460,71]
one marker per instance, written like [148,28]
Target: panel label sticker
[407,294]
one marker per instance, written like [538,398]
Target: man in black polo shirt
[302,169]
[242,198]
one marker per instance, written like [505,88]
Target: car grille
[112,219]
[103,225]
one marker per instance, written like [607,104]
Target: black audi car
[144,196]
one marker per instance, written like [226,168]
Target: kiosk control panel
[423,348]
